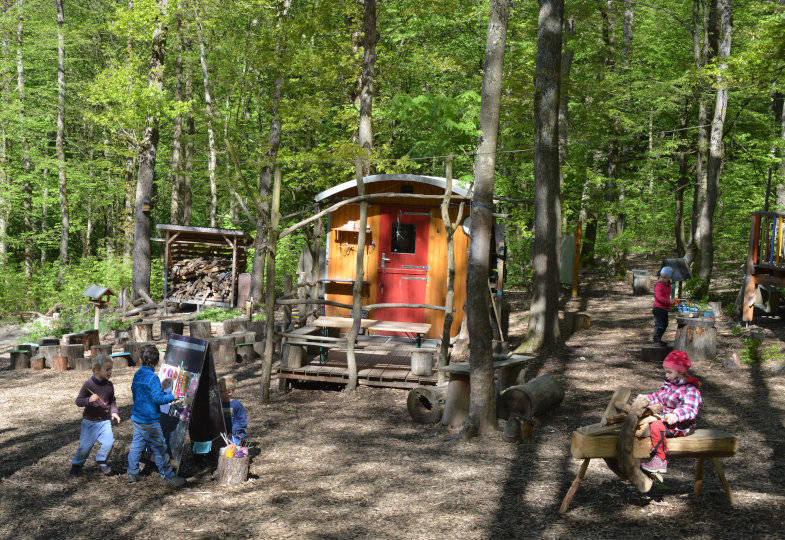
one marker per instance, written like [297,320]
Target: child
[662,303]
[234,413]
[145,414]
[100,408]
[681,400]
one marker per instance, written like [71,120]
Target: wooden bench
[601,441]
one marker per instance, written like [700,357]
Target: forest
[670,123]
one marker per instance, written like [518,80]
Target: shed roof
[205,234]
[414,178]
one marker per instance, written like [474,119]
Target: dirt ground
[335,465]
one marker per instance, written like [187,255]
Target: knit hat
[677,361]
[667,272]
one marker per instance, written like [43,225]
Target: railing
[766,246]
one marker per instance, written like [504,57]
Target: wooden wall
[342,259]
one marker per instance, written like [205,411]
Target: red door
[403,262]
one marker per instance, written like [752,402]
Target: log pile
[201,278]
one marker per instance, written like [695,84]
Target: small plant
[751,353]
[737,330]
[218,314]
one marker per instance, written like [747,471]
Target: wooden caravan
[765,267]
[405,250]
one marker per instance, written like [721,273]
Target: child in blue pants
[145,414]
[100,408]
[234,413]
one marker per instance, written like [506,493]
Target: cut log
[517,428]
[141,310]
[122,337]
[38,362]
[49,352]
[73,353]
[46,341]
[20,359]
[245,353]
[90,338]
[32,348]
[697,337]
[577,321]
[641,282]
[134,348]
[654,354]
[200,329]
[85,363]
[258,328]
[60,363]
[258,347]
[121,361]
[72,339]
[231,471]
[142,331]
[235,325]
[711,442]
[294,357]
[426,403]
[171,327]
[422,363]
[95,350]
[456,406]
[533,398]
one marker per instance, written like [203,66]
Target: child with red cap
[681,400]
[662,303]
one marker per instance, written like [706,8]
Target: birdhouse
[98,295]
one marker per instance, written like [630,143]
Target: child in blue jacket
[145,414]
[234,413]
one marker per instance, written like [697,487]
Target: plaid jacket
[681,398]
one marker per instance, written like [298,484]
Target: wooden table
[372,324]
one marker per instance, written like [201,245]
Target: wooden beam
[574,486]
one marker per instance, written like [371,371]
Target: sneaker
[174,481]
[106,469]
[134,478]
[76,470]
[655,465]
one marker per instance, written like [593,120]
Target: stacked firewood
[201,278]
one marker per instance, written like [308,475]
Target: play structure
[621,439]
[411,236]
[765,268]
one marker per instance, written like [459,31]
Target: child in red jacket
[681,400]
[662,303]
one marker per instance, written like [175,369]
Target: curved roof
[414,178]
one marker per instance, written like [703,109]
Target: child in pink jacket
[681,400]
[662,303]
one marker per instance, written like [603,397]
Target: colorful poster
[179,374]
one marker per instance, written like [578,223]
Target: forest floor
[334,465]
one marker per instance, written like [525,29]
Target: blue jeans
[92,432]
[149,435]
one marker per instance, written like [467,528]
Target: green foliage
[71,320]
[216,314]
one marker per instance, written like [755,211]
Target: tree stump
[654,354]
[20,359]
[49,352]
[426,403]
[232,471]
[84,363]
[73,353]
[121,337]
[171,327]
[294,358]
[60,363]
[121,361]
[134,348]
[697,337]
[142,331]
[90,338]
[245,353]
[48,341]
[95,350]
[716,309]
[200,329]
[641,282]
[422,363]
[258,347]
[235,325]
[456,405]
[72,339]
[38,362]
[258,328]
[32,348]
[520,404]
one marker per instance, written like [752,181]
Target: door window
[403,237]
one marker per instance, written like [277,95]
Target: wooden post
[269,299]
[576,259]
[574,487]
[166,270]
[351,360]
[723,480]
[233,295]
[97,318]
[699,476]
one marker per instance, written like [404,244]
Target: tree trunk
[186,196]
[128,205]
[5,175]
[208,103]
[482,407]
[716,146]
[449,297]
[543,318]
[147,156]
[176,161]
[779,117]
[27,188]
[682,183]
[370,38]
[61,172]
[269,299]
